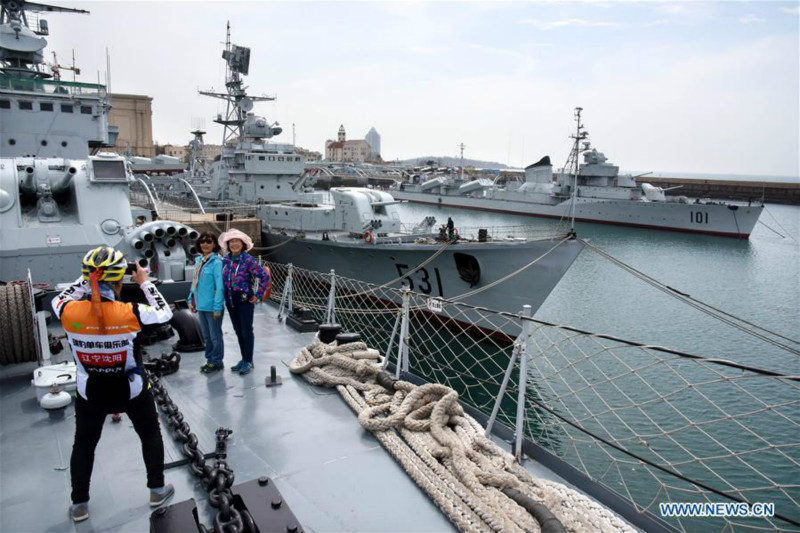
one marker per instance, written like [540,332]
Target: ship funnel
[540,172]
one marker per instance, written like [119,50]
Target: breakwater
[772,192]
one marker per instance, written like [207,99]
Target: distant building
[343,151]
[133,115]
[374,140]
[307,154]
[176,151]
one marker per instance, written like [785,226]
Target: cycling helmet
[110,262]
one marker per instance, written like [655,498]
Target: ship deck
[333,474]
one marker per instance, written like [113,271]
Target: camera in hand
[131,268]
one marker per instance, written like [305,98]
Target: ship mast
[572,164]
[237,64]
[461,146]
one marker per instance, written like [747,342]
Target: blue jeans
[212,336]
[242,320]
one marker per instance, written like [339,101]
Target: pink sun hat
[235,234]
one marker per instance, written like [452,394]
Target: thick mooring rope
[443,449]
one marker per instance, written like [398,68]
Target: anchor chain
[217,479]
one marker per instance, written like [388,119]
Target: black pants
[241,313]
[89,419]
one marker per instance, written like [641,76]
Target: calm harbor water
[756,279]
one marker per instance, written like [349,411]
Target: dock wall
[771,192]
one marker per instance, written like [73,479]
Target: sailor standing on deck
[102,336]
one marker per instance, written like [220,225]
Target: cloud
[581,23]
[791,10]
[659,22]
[750,18]
[428,49]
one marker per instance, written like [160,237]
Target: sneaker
[246,368]
[237,366]
[79,511]
[159,496]
[210,368]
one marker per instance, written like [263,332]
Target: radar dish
[245,104]
[26,41]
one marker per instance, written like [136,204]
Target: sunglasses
[206,241]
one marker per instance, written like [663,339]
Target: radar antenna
[572,164]
[237,64]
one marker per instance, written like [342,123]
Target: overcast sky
[667,86]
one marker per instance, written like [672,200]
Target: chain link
[217,480]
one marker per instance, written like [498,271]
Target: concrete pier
[771,192]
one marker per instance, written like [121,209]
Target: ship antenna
[237,64]
[461,146]
[572,162]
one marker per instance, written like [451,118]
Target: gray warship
[592,191]
[358,232]
[60,192]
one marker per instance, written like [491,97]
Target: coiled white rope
[443,449]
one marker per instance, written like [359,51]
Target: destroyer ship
[592,191]
[358,232]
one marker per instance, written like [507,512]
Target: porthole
[64,144]
[12,142]
[44,142]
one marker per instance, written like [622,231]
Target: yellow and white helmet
[110,262]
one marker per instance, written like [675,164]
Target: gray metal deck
[333,474]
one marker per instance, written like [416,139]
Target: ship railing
[497,233]
[54,87]
[636,426]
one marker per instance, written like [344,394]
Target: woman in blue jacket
[207,299]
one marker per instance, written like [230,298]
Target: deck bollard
[274,379]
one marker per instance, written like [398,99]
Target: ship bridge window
[5,104]
[272,158]
[45,106]
[86,110]
[109,171]
[280,158]
[66,108]
[262,158]
[27,106]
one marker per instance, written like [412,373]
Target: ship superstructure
[59,194]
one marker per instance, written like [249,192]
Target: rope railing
[650,424]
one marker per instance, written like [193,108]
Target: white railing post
[402,345]
[523,379]
[391,340]
[286,296]
[330,315]
[502,391]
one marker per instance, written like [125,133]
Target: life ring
[368,237]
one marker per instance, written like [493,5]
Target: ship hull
[381,263]
[705,218]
